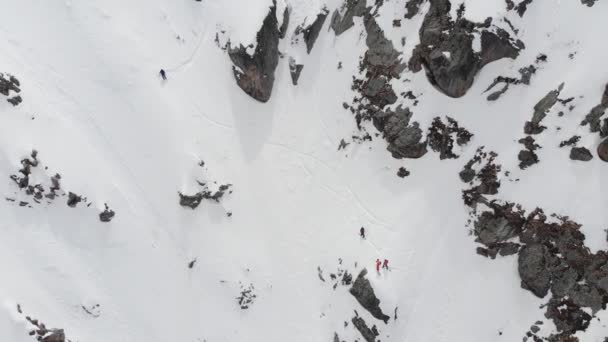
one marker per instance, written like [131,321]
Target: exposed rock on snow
[454,76]
[441,137]
[107,215]
[540,111]
[295,69]
[525,78]
[285,22]
[405,140]
[255,74]
[528,157]
[10,84]
[352,8]
[311,33]
[364,293]
[580,153]
[403,172]
[594,118]
[368,334]
[73,199]
[412,7]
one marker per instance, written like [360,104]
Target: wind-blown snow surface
[97,113]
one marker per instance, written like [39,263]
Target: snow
[118,135]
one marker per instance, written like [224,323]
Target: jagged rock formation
[527,157]
[107,215]
[412,7]
[311,33]
[525,77]
[340,23]
[363,291]
[285,22]
[446,49]
[255,74]
[594,118]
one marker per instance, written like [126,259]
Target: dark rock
[580,153]
[295,70]
[56,335]
[540,111]
[73,199]
[467,175]
[602,150]
[107,215]
[403,172]
[255,74]
[364,293]
[440,137]
[491,229]
[285,23]
[527,158]
[190,201]
[589,3]
[497,94]
[16,100]
[508,248]
[567,317]
[570,142]
[311,33]
[368,334]
[405,140]
[352,8]
[533,262]
[453,73]
[534,329]
[412,7]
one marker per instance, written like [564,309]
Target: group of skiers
[379,263]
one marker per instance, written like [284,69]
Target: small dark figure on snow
[362,232]
[163,74]
[385,264]
[378,263]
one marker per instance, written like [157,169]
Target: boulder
[364,293]
[580,153]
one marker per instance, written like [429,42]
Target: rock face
[255,74]
[580,153]
[364,293]
[56,335]
[540,111]
[446,49]
[441,137]
[295,69]
[404,139]
[351,9]
[311,33]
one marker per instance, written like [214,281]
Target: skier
[163,74]
[385,264]
[362,232]
[378,263]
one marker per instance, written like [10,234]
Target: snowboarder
[163,74]
[378,263]
[362,232]
[385,264]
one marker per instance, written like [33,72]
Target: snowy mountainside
[225,203]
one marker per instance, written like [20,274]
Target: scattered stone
[246,297]
[255,74]
[580,153]
[403,172]
[73,199]
[107,215]
[364,293]
[570,142]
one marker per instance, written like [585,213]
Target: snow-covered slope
[270,257]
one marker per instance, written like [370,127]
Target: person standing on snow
[385,264]
[362,232]
[163,74]
[378,263]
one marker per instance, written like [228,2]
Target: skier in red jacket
[378,263]
[385,264]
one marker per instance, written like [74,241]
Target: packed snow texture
[97,112]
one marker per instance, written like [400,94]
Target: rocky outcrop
[405,140]
[285,22]
[528,157]
[540,111]
[255,73]
[311,33]
[369,335]
[581,154]
[446,48]
[602,150]
[364,293]
[340,23]
[107,215]
[594,118]
[412,7]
